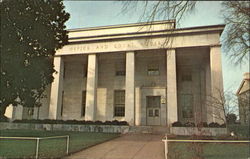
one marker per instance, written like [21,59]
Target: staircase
[160,130]
[149,130]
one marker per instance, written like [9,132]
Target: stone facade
[243,94]
[162,74]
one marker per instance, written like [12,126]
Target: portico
[145,74]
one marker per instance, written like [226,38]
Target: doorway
[153,110]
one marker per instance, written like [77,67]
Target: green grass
[210,151]
[13,148]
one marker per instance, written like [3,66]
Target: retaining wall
[188,131]
[66,127]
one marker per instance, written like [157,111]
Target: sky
[102,13]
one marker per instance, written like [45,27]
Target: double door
[153,110]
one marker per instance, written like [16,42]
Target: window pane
[153,101]
[119,105]
[119,111]
[120,68]
[153,72]
[157,112]
[150,113]
[153,69]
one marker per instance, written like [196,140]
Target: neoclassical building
[145,74]
[243,94]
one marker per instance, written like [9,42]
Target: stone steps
[148,129]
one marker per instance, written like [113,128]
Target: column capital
[170,49]
[132,51]
[215,45]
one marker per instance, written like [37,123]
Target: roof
[137,30]
[245,84]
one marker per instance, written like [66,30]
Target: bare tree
[237,40]
[163,9]
[223,104]
[160,10]
[236,15]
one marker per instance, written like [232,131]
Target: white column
[91,87]
[216,81]
[172,113]
[130,88]
[138,111]
[56,89]
[206,116]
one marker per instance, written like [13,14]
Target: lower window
[119,103]
[187,105]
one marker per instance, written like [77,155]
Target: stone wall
[67,127]
[188,131]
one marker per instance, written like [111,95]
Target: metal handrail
[38,141]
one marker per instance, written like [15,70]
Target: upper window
[120,68]
[153,69]
[119,103]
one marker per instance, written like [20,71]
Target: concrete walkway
[130,146]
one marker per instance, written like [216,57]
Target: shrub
[189,124]
[231,118]
[240,130]
[80,122]
[107,123]
[177,124]
[98,122]
[202,124]
[4,119]
[214,125]
[123,123]
[223,125]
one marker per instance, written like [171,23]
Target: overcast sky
[101,13]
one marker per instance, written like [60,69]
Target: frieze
[111,46]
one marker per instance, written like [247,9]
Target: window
[64,69]
[119,103]
[153,69]
[187,105]
[62,103]
[85,70]
[120,68]
[83,103]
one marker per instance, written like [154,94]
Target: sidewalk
[130,146]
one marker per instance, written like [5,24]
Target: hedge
[202,124]
[78,122]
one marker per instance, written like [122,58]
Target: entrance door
[153,110]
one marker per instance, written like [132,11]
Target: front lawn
[13,148]
[210,151]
